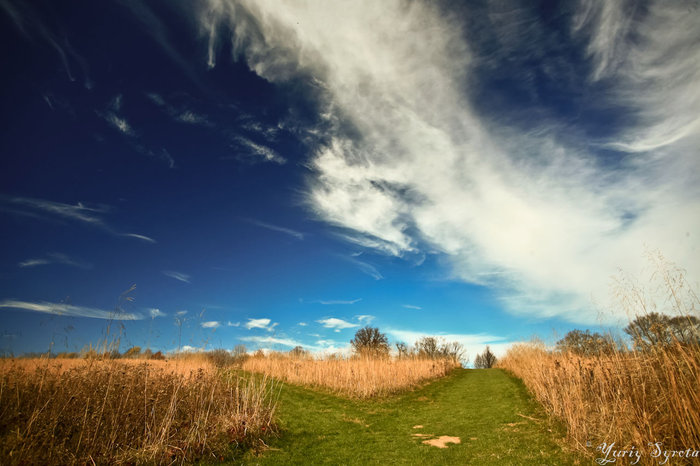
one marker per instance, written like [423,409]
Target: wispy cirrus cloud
[137,236]
[55,258]
[211,324]
[287,231]
[264,324]
[31,24]
[68,310]
[365,319]
[79,212]
[259,151]
[183,277]
[411,306]
[540,216]
[366,268]
[330,302]
[179,114]
[288,342]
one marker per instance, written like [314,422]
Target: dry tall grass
[638,397]
[121,412]
[626,398]
[355,377]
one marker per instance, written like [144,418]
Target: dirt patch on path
[442,441]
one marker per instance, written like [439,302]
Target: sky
[205,174]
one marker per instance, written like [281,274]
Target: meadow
[358,377]
[102,411]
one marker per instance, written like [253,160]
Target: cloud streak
[55,258]
[68,310]
[408,164]
[177,276]
[79,212]
[287,231]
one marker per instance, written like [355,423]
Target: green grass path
[481,407]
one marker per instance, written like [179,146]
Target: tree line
[646,332]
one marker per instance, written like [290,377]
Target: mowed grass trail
[489,410]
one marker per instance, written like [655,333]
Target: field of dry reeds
[85,411]
[646,396]
[359,377]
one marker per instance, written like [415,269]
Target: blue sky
[280,174]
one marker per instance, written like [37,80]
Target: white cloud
[411,306]
[181,115]
[55,258]
[141,237]
[34,262]
[192,118]
[156,313]
[233,324]
[68,310]
[180,313]
[287,231]
[337,324]
[302,324]
[177,276]
[273,340]
[119,123]
[339,301]
[80,212]
[260,151]
[260,323]
[211,324]
[535,216]
[366,268]
[365,319]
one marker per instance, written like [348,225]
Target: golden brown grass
[641,397]
[630,398]
[354,377]
[90,411]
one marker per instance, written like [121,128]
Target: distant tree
[454,351]
[437,348]
[298,352]
[485,360]
[654,329]
[402,349]
[369,341]
[133,352]
[428,347]
[585,343]
[239,351]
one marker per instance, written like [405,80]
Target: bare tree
[402,349]
[369,341]
[485,360]
[655,329]
[585,343]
